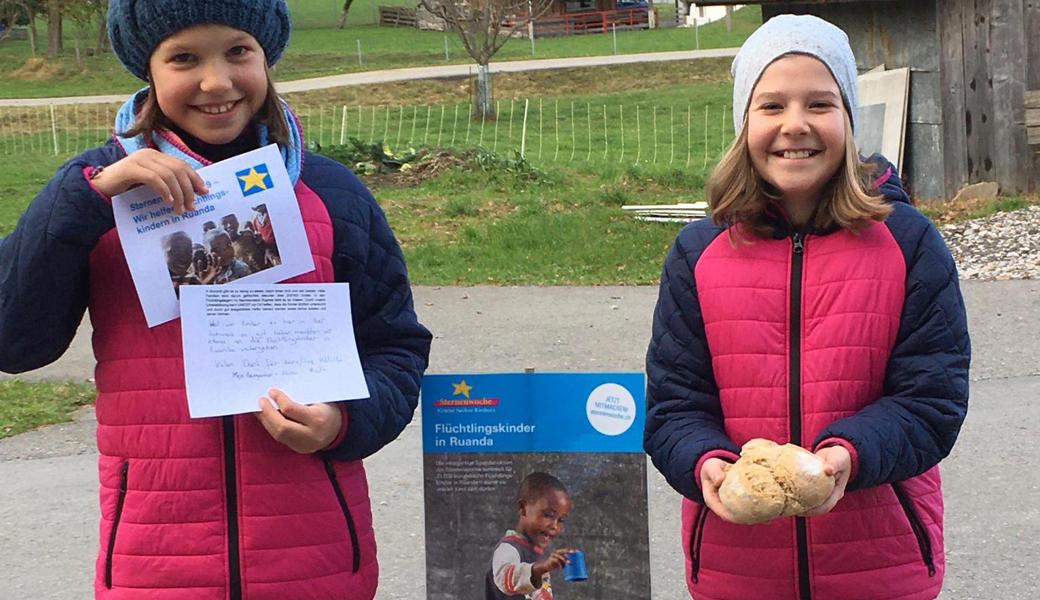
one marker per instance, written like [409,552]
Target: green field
[317,52]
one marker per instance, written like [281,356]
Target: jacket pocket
[124,473]
[924,542]
[355,546]
[696,539]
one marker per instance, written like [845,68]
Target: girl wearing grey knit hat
[814,307]
[266,506]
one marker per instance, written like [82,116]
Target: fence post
[400,125]
[613,28]
[454,125]
[372,126]
[588,117]
[671,133]
[621,119]
[540,113]
[606,133]
[573,135]
[556,125]
[494,144]
[447,57]
[426,136]
[654,159]
[54,131]
[722,141]
[359,60]
[440,128]
[523,132]
[343,127]
[386,124]
[639,136]
[705,136]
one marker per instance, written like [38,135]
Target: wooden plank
[978,93]
[1032,99]
[1032,117]
[1031,23]
[1009,150]
[1033,135]
[951,74]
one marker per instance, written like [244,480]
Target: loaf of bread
[771,481]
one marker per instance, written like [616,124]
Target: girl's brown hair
[150,117]
[737,194]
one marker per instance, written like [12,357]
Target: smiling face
[796,130]
[210,80]
[542,518]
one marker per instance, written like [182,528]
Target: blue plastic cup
[575,570]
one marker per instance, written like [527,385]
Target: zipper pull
[798,245]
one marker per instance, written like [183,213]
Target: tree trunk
[102,40]
[54,42]
[343,16]
[483,101]
[729,19]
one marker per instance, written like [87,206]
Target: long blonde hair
[737,194]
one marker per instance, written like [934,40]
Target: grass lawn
[25,406]
[328,51]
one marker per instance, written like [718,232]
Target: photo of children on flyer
[237,246]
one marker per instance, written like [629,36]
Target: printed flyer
[248,228]
[518,467]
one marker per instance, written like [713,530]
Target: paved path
[48,503]
[439,72]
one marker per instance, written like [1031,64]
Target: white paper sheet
[252,189]
[240,341]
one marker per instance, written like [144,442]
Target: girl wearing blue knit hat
[816,308]
[251,507]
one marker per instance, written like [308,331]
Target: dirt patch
[560,82]
[426,168]
[37,69]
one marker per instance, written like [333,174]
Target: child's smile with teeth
[216,109]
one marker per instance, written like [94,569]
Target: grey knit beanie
[137,27]
[793,34]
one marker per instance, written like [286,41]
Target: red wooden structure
[570,17]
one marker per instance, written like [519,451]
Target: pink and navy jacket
[815,338]
[215,509]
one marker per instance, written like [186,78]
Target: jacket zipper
[115,524]
[231,499]
[351,528]
[696,539]
[924,543]
[795,399]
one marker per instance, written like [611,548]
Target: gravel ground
[999,247]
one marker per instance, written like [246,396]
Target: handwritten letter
[240,341]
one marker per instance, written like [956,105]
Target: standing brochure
[247,229]
[240,341]
[483,435]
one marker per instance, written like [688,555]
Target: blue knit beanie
[137,27]
[794,34]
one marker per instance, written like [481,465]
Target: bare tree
[343,15]
[485,26]
[15,11]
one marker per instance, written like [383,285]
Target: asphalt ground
[48,500]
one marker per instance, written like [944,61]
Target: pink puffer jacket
[198,509]
[880,543]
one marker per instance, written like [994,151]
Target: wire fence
[544,131]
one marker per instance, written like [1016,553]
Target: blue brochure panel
[519,465]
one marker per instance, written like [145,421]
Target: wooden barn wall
[1031,21]
[987,84]
[903,34]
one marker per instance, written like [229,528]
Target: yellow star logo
[461,388]
[254,180]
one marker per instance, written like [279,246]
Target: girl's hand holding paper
[303,428]
[168,176]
